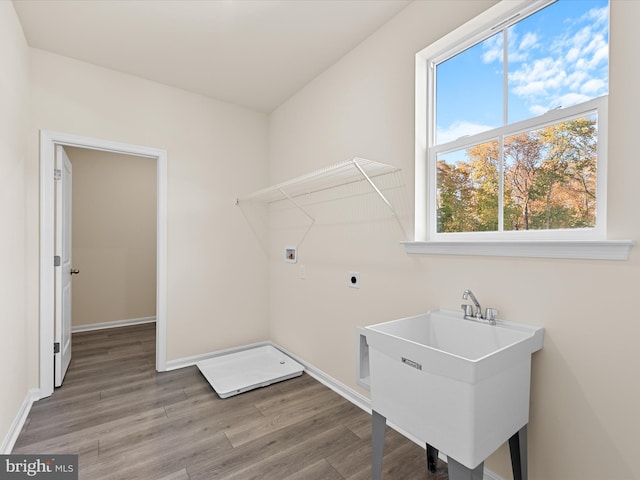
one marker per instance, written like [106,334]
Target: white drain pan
[239,372]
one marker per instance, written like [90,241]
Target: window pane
[467,189]
[550,176]
[469,92]
[558,57]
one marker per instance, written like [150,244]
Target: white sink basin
[459,385]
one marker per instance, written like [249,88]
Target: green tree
[570,163]
[455,199]
[485,174]
[549,181]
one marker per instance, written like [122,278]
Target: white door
[63,272]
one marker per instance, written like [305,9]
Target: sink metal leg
[378,427]
[432,458]
[457,471]
[518,450]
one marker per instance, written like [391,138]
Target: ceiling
[255,53]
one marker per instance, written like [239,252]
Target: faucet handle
[467,309]
[491,314]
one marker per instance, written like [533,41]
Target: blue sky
[558,56]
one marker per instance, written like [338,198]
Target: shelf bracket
[381,195]
[307,214]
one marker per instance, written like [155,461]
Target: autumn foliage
[548,177]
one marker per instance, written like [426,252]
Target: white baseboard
[489,475]
[18,422]
[189,361]
[330,382]
[116,323]
[327,380]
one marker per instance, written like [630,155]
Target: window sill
[591,250]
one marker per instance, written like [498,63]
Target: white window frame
[598,232]
[569,243]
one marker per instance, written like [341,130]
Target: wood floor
[126,421]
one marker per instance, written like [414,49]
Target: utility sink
[459,385]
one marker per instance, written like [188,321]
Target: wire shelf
[337,182]
[351,171]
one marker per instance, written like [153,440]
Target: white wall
[14,106]
[584,421]
[217,295]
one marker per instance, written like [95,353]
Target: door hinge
[56,260]
[57,174]
[56,347]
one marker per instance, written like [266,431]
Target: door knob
[74,272]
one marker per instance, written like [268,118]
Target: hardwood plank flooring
[126,421]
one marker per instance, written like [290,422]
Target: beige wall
[14,98]
[114,236]
[217,294]
[585,393]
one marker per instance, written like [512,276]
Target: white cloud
[530,89]
[572,99]
[529,40]
[572,55]
[599,16]
[492,47]
[593,86]
[579,40]
[538,78]
[538,109]
[600,55]
[460,129]
[519,49]
[576,79]
[570,70]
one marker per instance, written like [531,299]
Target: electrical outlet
[302,272]
[290,254]
[354,279]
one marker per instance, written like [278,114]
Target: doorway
[48,142]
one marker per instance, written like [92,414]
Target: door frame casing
[48,140]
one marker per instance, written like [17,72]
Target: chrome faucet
[466,295]
[490,315]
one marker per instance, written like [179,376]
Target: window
[516,120]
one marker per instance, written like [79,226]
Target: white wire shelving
[356,170]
